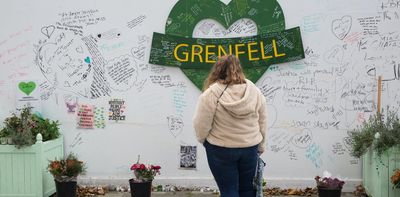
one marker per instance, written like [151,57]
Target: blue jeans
[233,169]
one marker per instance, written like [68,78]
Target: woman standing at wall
[230,121]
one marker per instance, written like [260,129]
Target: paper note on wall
[28,95]
[116,110]
[85,119]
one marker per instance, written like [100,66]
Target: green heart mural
[27,88]
[186,14]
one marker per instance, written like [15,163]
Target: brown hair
[227,70]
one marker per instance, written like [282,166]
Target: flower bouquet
[65,172]
[144,174]
[329,186]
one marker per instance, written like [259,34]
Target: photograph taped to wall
[188,157]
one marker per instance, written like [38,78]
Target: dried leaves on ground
[360,191]
[299,192]
[90,191]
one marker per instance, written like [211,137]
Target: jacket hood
[239,100]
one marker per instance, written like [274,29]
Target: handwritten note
[314,154]
[175,125]
[85,117]
[122,73]
[136,21]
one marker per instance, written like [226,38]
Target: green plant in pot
[379,133]
[389,136]
[363,136]
[65,172]
[21,129]
[48,128]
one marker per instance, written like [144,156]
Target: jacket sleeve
[204,115]
[262,121]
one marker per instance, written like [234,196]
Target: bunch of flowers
[396,178]
[144,173]
[329,182]
[66,169]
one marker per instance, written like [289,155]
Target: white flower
[377,135]
[327,174]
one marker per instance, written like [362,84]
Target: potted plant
[395,179]
[65,172]
[144,174]
[380,133]
[329,186]
[27,142]
[21,130]
[377,141]
[362,137]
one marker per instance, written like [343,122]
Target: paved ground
[191,194]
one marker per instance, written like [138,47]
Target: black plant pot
[325,192]
[66,189]
[140,189]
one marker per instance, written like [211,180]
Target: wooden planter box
[377,172]
[23,172]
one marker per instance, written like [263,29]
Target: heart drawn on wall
[341,27]
[48,30]
[27,88]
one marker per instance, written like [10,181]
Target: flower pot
[327,192]
[140,189]
[65,189]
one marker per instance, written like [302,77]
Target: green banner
[201,53]
[195,56]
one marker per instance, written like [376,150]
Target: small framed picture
[188,157]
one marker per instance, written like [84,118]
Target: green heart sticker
[186,14]
[27,88]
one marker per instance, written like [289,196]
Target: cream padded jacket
[239,120]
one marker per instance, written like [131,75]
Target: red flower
[135,166]
[144,173]
[155,167]
[55,165]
